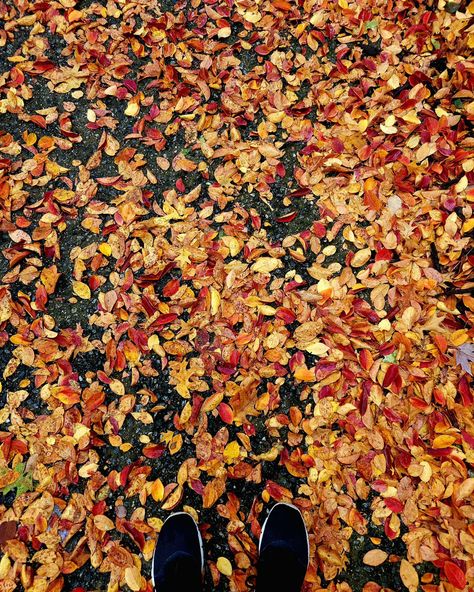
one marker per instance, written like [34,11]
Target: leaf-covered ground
[236,268]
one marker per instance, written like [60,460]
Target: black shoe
[284,551]
[178,560]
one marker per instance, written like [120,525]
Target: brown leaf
[7,531]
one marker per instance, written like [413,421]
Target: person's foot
[178,560]
[284,551]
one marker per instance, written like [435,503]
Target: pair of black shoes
[178,560]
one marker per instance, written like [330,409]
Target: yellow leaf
[157,490]
[86,471]
[82,290]
[215,300]
[117,387]
[393,82]
[49,278]
[224,32]
[459,337]
[316,348]
[384,325]
[468,226]
[252,17]
[375,557]
[466,489]
[443,441]
[103,523]
[5,307]
[132,109]
[175,444]
[324,287]
[232,244]
[5,565]
[105,249]
[266,264]
[185,413]
[154,343]
[411,117]
[266,310]
[224,566]
[409,575]
[30,139]
[361,257]
[133,578]
[462,184]
[388,129]
[63,195]
[426,472]
[231,451]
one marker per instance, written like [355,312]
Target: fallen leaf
[82,290]
[409,575]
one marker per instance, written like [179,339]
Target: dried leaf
[375,557]
[82,290]
[224,566]
[409,575]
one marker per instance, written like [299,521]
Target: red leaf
[171,288]
[39,120]
[99,508]
[390,376]
[280,167]
[390,533]
[394,504]
[164,319]
[136,535]
[301,192]
[455,575]
[225,413]
[19,446]
[102,376]
[124,475]
[383,255]
[278,492]
[465,392]
[286,314]
[319,229]
[288,217]
[263,49]
[154,450]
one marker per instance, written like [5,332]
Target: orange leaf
[281,4]
[455,575]
[302,373]
[441,343]
[65,394]
[371,199]
[443,441]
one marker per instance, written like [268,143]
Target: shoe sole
[201,546]
[266,521]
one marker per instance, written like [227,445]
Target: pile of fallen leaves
[236,269]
